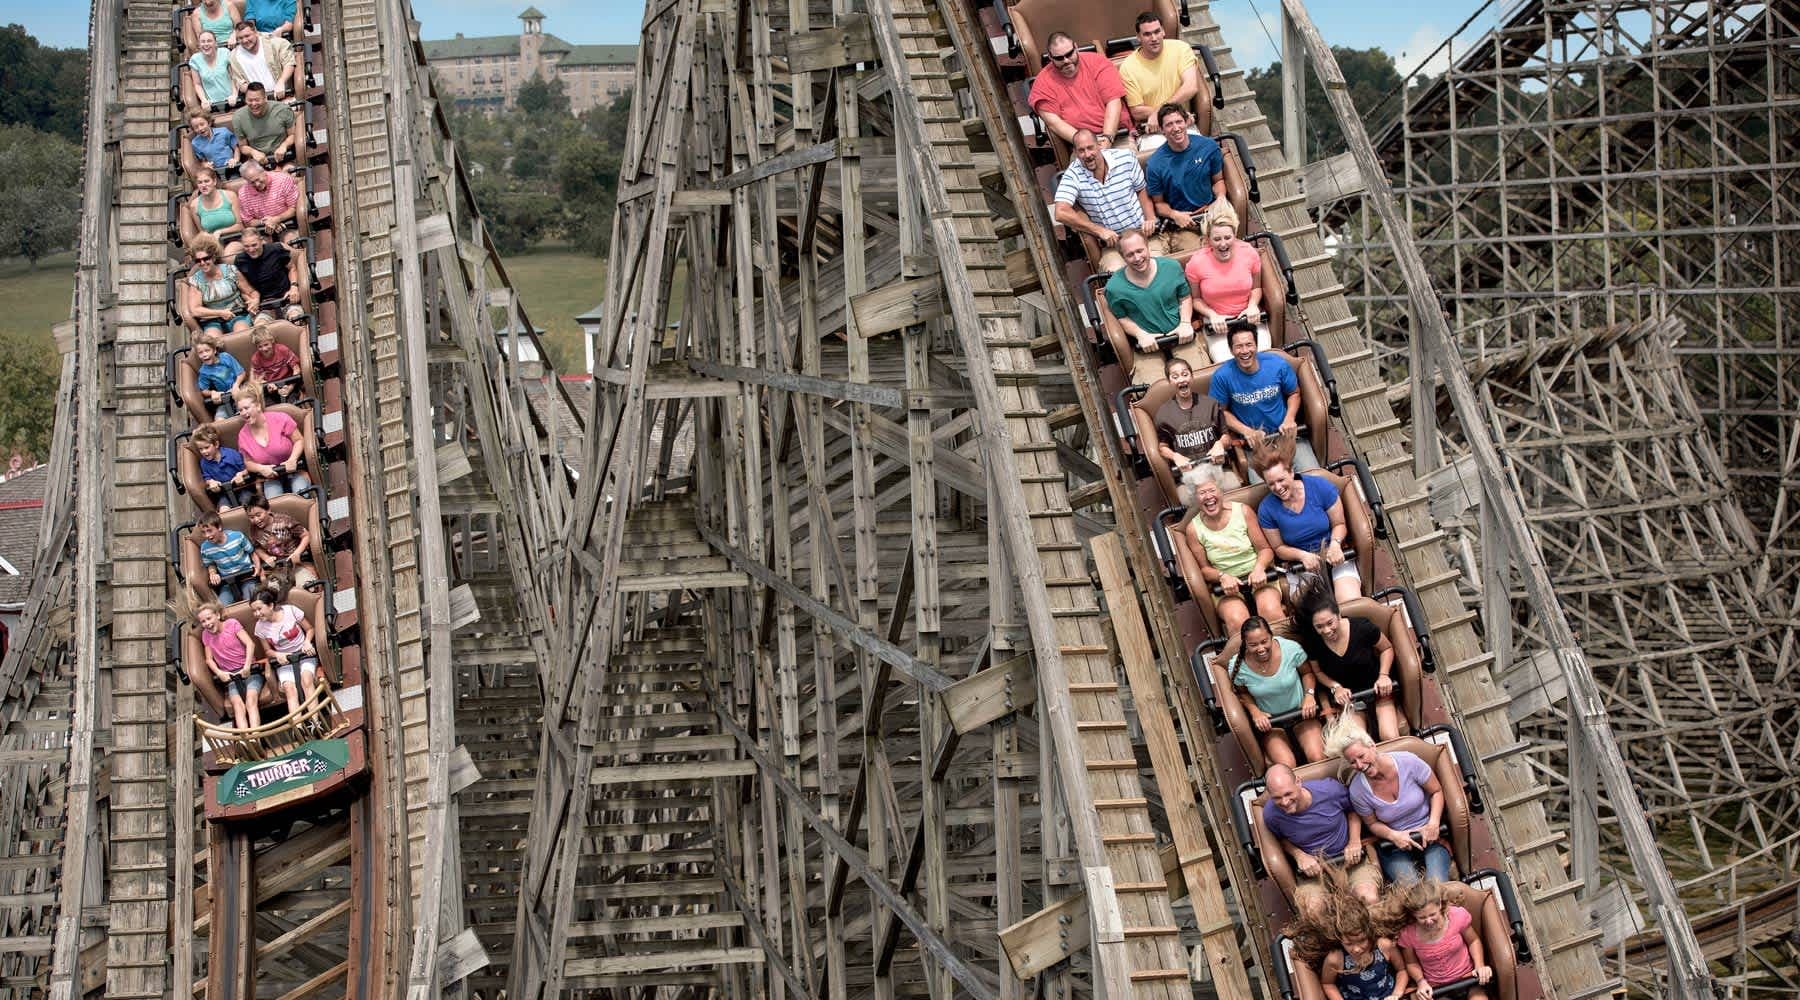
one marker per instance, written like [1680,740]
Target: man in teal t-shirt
[1149,297]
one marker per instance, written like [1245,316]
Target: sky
[1408,29]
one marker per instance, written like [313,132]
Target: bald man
[1313,820]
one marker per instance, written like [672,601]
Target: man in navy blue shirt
[1260,394]
[1185,175]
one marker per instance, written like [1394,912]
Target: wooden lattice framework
[1645,541]
[1628,167]
[1584,156]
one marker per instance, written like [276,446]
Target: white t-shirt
[283,634]
[256,67]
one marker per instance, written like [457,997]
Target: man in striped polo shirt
[1102,194]
[229,559]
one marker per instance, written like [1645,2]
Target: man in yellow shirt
[1157,73]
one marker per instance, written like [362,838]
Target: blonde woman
[1226,280]
[1234,556]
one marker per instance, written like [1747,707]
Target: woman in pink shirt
[271,443]
[1226,279]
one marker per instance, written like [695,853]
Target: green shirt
[1156,307]
[267,132]
[1282,692]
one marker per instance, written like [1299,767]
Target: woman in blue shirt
[1303,520]
[212,72]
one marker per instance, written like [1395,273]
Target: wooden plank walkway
[137,940]
[1138,948]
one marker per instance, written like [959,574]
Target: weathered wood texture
[137,952]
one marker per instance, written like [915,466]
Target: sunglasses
[1065,57]
[202,258]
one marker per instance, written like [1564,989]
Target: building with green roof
[487,71]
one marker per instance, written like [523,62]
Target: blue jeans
[289,482]
[225,326]
[1398,865]
[229,591]
[232,496]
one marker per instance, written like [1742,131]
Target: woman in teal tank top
[212,71]
[213,210]
[215,18]
[1272,676]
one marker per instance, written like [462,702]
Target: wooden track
[137,934]
[1107,805]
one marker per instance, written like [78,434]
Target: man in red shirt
[1078,90]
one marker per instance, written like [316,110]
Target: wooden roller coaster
[854,646]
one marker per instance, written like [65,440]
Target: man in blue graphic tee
[1185,175]
[1260,395]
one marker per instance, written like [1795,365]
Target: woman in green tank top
[215,18]
[1233,556]
[213,210]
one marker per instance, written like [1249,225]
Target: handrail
[272,739]
[1205,53]
[1290,291]
[1421,629]
[1371,491]
[1243,153]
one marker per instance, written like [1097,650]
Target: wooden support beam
[847,42]
[991,694]
[883,650]
[1199,874]
[576,968]
[898,305]
[828,388]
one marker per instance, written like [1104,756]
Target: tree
[587,177]
[28,404]
[1371,76]
[537,97]
[41,87]
[40,193]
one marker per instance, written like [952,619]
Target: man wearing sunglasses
[1078,90]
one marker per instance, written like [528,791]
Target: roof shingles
[21,519]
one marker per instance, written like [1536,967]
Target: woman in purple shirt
[1400,802]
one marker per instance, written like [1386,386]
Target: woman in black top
[1353,655]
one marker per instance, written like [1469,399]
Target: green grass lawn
[32,301]
[555,286]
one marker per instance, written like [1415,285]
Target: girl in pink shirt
[1226,279]
[271,443]
[1441,944]
[229,658]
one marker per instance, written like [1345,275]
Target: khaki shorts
[1149,366]
[1364,872]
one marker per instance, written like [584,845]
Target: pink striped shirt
[282,195]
